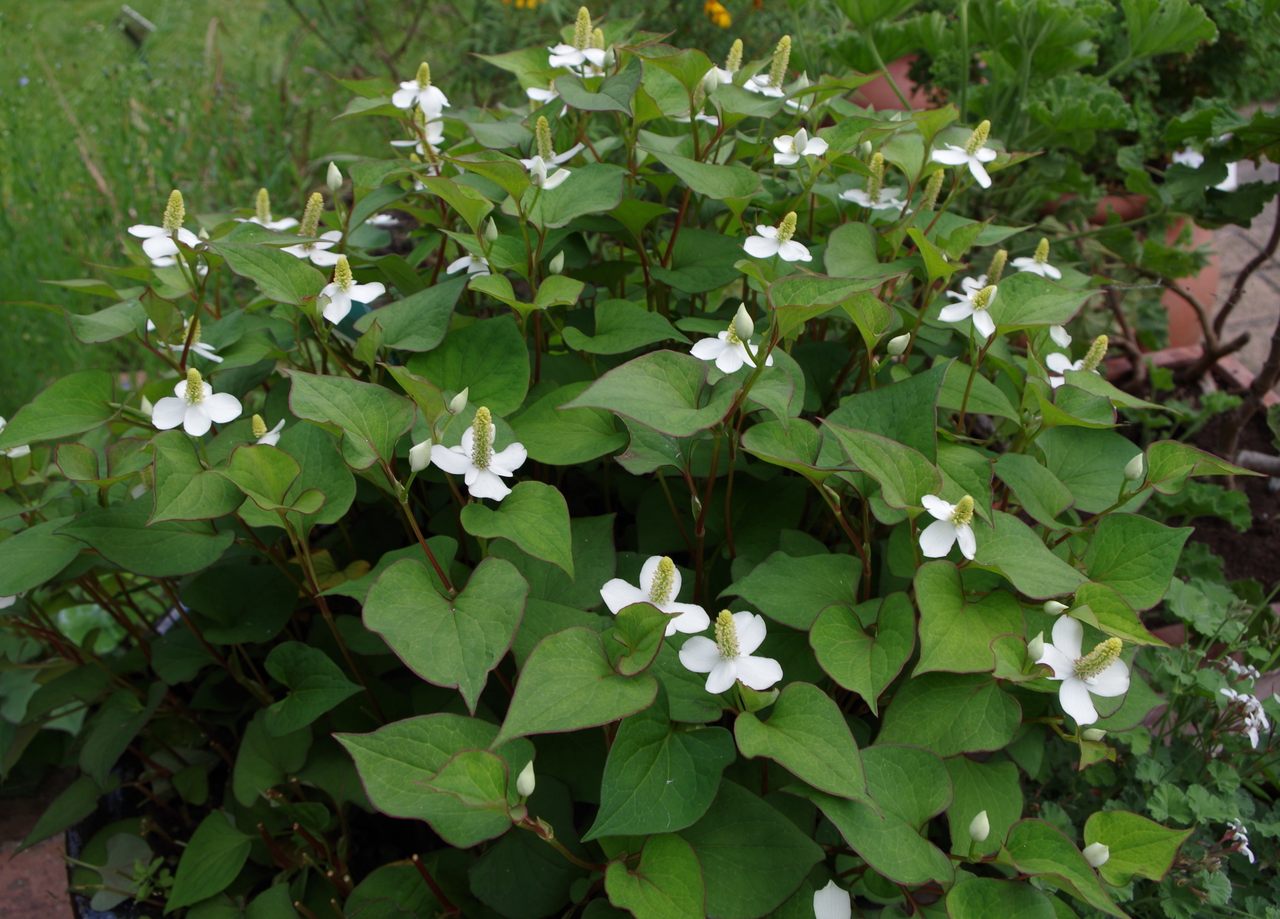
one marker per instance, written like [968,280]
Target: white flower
[159,244]
[472,264]
[799,106]
[318,250]
[832,902]
[542,96]
[584,62]
[980,827]
[421,93]
[952,524]
[1195,159]
[538,174]
[788,148]
[338,295]
[1252,721]
[1044,269]
[432,129]
[716,76]
[6,602]
[890,198]
[13,452]
[202,348]
[1096,854]
[1240,836]
[1061,337]
[971,303]
[263,437]
[1100,672]
[475,459]
[763,85]
[713,120]
[728,659]
[728,352]
[383,221]
[262,216]
[771,241]
[659,586]
[973,154]
[195,406]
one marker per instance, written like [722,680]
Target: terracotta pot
[879,95]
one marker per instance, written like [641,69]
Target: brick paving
[33,884]
[1259,307]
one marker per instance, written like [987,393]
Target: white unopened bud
[333,178]
[490,230]
[1096,854]
[1094,734]
[980,827]
[898,344]
[146,407]
[743,326]
[1136,469]
[1035,647]
[458,404]
[526,781]
[1054,608]
[556,265]
[420,455]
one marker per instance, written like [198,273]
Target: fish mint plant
[406,611]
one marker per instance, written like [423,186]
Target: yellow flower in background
[521,4]
[717,13]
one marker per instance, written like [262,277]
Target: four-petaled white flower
[419,92]
[338,295]
[952,524]
[729,659]
[762,84]
[195,406]
[971,303]
[1060,364]
[659,586]
[262,436]
[788,148]
[13,452]
[317,251]
[161,244]
[262,214]
[728,349]
[973,154]
[890,198]
[542,165]
[1100,672]
[476,460]
[832,902]
[472,264]
[586,56]
[771,241]
[1039,264]
[202,348]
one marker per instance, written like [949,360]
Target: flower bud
[1094,734]
[333,178]
[526,781]
[420,455]
[898,344]
[458,404]
[980,827]
[1054,608]
[1035,647]
[1096,854]
[1136,469]
[743,327]
[490,230]
[146,407]
[864,149]
[556,265]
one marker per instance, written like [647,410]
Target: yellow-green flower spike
[978,137]
[1104,654]
[195,387]
[787,228]
[997,266]
[1097,351]
[193,330]
[262,206]
[542,133]
[423,78]
[733,63]
[931,190]
[963,514]
[259,426]
[597,39]
[876,182]
[982,299]
[726,635]
[175,212]
[481,438]
[1042,250]
[582,29]
[781,58]
[664,582]
[342,273]
[311,215]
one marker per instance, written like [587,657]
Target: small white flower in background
[1059,364]
[476,460]
[832,902]
[6,602]
[1039,264]
[542,96]
[973,154]
[875,196]
[316,249]
[471,264]
[771,241]
[788,148]
[262,214]
[1245,670]
[980,827]
[659,586]
[1250,720]
[729,659]
[728,349]
[1096,854]
[263,437]
[971,304]
[333,177]
[420,455]
[1195,159]
[546,158]
[952,524]
[1054,608]
[13,452]
[161,243]
[419,92]
[1061,337]
[1239,836]
[383,221]
[198,347]
[526,781]
[587,56]
[723,76]
[1100,672]
[770,84]
[195,406]
[338,295]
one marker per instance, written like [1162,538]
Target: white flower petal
[815,147]
[983,322]
[941,510]
[722,676]
[792,251]
[222,407]
[367,293]
[751,631]
[169,412]
[700,654]
[1061,337]
[1074,697]
[758,672]
[965,539]
[451,459]
[950,155]
[786,159]
[955,312]
[1114,681]
[618,594]
[831,902]
[488,485]
[1068,634]
[708,349]
[730,360]
[196,421]
[937,539]
[507,460]
[760,247]
[146,231]
[689,618]
[984,154]
[337,308]
[979,173]
[1062,666]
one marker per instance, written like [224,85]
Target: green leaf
[323,471]
[1013,549]
[794,590]
[904,475]
[449,643]
[950,714]
[862,662]
[371,418]
[806,734]
[1139,847]
[185,490]
[993,787]
[622,326]
[1037,489]
[1101,606]
[636,638]
[612,94]
[1037,848]
[279,275]
[1166,26]
[472,206]
[265,761]
[116,321]
[1027,300]
[568,684]
[708,179]
[557,290]
[1170,464]
[35,555]
[562,436]
[752,856]
[489,357]
[666,884]
[211,861]
[115,725]
[419,321]
[663,390]
[316,684]
[982,898]
[905,411]
[73,405]
[120,532]
[534,516]
[702,261]
[1090,463]
[72,805]
[264,473]
[985,397]
[955,634]
[659,778]
[596,188]
[1135,556]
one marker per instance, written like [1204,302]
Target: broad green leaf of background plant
[562,436]
[708,179]
[74,404]
[595,188]
[982,898]
[993,786]
[622,326]
[861,661]
[1026,299]
[1090,463]
[1135,556]
[1170,464]
[666,884]
[211,860]
[419,321]
[905,412]
[265,474]
[955,634]
[488,357]
[1012,548]
[185,490]
[371,418]
[120,532]
[951,713]
[534,516]
[663,390]
[1039,492]
[279,275]
[315,683]
[794,590]
[34,556]
[904,475]
[1166,26]
[1037,848]
[1138,846]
